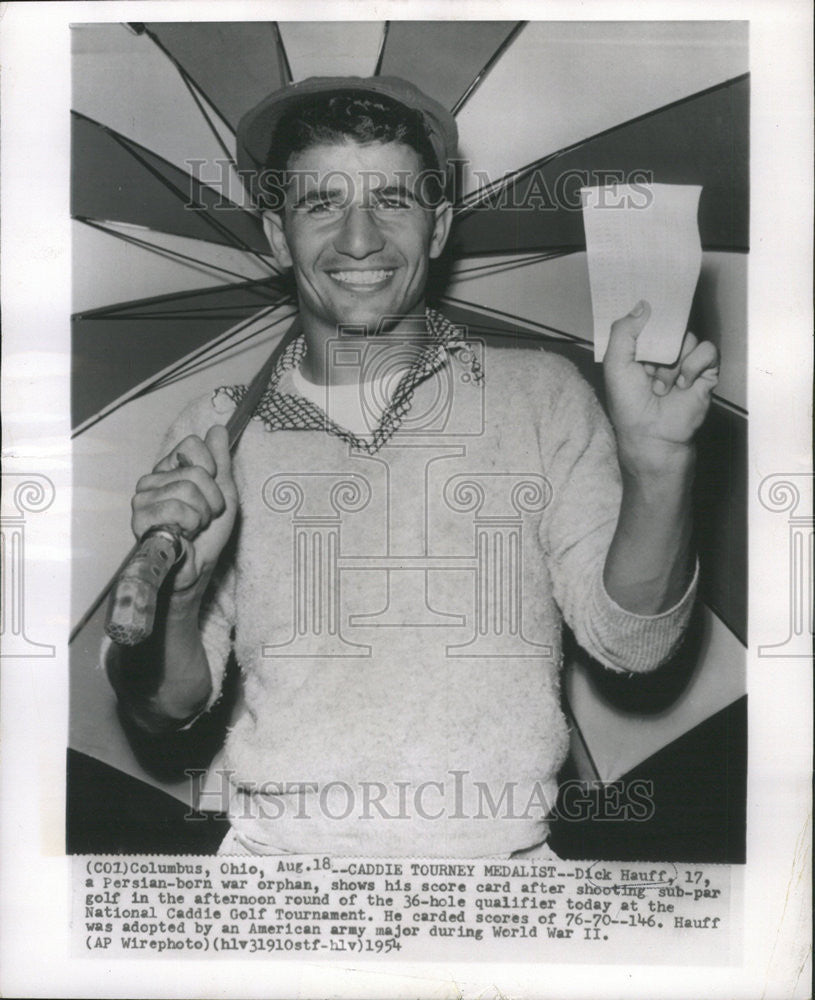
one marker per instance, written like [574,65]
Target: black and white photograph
[402,447]
[429,489]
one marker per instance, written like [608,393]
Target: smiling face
[357,234]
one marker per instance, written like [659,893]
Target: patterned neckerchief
[286,412]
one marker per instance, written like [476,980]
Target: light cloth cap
[256,128]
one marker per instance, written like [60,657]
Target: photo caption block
[333,908]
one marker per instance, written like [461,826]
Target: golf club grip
[132,610]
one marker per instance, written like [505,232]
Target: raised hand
[656,409]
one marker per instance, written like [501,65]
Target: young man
[398,537]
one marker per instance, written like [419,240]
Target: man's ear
[273,228]
[441,228]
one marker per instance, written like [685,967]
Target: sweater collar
[287,411]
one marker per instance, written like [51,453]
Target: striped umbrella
[175,292]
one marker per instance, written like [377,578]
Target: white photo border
[35,873]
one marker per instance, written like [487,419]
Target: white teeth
[360,277]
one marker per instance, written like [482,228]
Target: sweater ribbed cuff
[637,643]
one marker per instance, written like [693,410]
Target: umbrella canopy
[175,292]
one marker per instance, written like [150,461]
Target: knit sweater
[397,615]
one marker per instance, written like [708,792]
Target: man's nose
[359,236]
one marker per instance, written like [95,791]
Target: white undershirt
[358,407]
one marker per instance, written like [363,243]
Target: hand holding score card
[644,257]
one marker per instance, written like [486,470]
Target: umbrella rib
[517,334]
[166,251]
[595,773]
[256,285]
[148,384]
[504,265]
[225,337]
[187,76]
[479,77]
[559,250]
[727,404]
[217,355]
[471,201]
[509,316]
[578,341]
[192,315]
[135,150]
[188,363]
[235,426]
[281,51]
[223,230]
[381,54]
[191,87]
[715,608]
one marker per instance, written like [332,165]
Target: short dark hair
[342,115]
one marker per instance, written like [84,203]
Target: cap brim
[257,127]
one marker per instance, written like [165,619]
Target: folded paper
[642,242]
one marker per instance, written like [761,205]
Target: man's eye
[394,202]
[322,208]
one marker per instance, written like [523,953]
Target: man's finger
[664,376]
[217,442]
[191,451]
[170,510]
[622,342]
[193,474]
[180,489]
[704,357]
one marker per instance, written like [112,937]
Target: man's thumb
[622,342]
[217,440]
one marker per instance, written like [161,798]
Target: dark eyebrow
[399,188]
[318,195]
[321,194]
